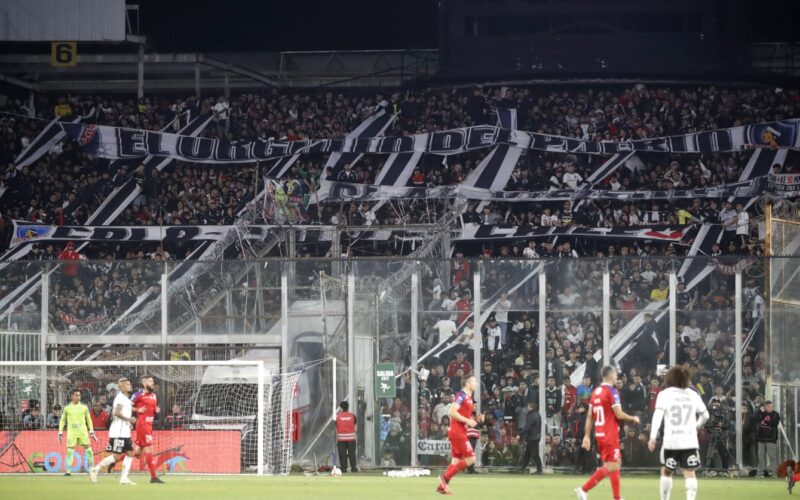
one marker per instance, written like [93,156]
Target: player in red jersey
[605,412]
[460,419]
[145,405]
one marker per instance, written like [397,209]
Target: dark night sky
[269,25]
[236,25]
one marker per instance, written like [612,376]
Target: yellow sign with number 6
[64,54]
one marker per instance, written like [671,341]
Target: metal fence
[533,329]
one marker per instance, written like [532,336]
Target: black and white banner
[374,126]
[784,184]
[32,233]
[51,135]
[346,191]
[494,171]
[472,232]
[120,143]
[25,233]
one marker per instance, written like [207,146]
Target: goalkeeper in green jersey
[76,419]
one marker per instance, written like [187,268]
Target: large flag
[119,143]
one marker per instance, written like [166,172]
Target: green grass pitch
[499,486]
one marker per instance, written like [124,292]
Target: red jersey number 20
[599,416]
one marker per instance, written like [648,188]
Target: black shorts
[685,459]
[119,445]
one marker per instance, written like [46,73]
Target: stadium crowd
[200,194]
[511,377]
[66,178]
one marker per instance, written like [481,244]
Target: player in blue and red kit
[145,405]
[605,412]
[460,419]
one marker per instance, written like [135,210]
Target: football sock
[126,467]
[151,466]
[614,478]
[454,469]
[691,488]
[68,463]
[598,476]
[106,462]
[89,458]
[666,487]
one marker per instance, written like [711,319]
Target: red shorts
[460,447]
[144,437]
[609,452]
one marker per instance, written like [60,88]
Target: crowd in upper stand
[186,193]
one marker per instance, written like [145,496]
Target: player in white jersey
[685,413]
[119,434]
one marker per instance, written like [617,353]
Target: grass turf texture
[351,487]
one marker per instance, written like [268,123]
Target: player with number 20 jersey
[605,412]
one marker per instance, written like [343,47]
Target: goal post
[216,417]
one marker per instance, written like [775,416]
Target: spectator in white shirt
[691,332]
[493,336]
[547,219]
[221,116]
[501,315]
[575,334]
[449,304]
[729,218]
[530,251]
[568,297]
[742,224]
[445,328]
[572,178]
[468,335]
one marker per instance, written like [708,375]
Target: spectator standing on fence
[767,436]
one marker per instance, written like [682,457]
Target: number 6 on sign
[63,54]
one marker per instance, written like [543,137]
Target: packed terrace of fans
[199,194]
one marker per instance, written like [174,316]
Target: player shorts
[144,438]
[82,441]
[609,452]
[119,445]
[461,448]
[685,459]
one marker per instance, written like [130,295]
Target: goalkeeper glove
[59,437]
[93,436]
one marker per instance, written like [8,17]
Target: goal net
[216,417]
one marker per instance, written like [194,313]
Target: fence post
[738,365]
[606,318]
[45,331]
[542,360]
[673,318]
[414,347]
[476,353]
